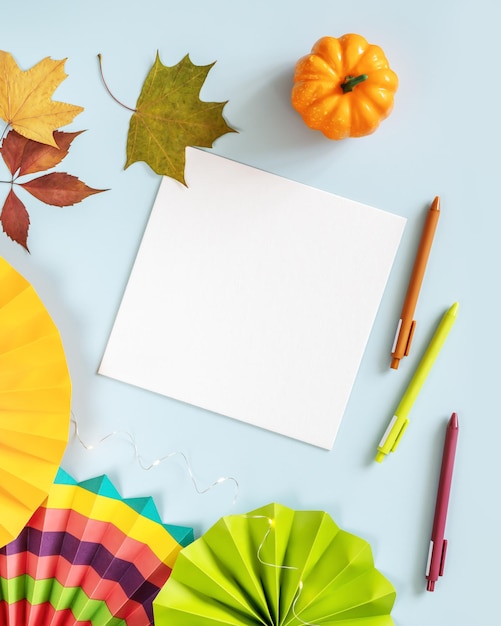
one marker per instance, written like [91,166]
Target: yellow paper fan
[35,399]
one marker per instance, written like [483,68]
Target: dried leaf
[15,219]
[12,151]
[26,156]
[170,116]
[26,98]
[59,189]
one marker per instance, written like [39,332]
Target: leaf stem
[108,89]
[4,131]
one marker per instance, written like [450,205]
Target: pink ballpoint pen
[438,545]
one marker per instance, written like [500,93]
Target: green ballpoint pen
[400,421]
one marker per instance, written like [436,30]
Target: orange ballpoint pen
[407,324]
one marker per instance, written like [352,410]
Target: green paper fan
[277,567]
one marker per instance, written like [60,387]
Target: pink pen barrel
[438,545]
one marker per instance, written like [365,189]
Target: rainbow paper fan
[275,567]
[87,557]
[35,401]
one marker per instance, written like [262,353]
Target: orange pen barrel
[407,324]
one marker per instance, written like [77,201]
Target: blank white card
[253,296]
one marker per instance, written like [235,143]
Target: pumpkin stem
[350,82]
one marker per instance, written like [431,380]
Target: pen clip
[442,558]
[399,436]
[409,338]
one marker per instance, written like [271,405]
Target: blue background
[442,139]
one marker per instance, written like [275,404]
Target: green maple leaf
[169,116]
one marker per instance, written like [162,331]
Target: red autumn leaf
[39,157]
[12,150]
[59,189]
[30,156]
[15,219]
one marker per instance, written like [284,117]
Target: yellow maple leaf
[26,98]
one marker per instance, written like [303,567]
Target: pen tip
[454,422]
[435,206]
[454,309]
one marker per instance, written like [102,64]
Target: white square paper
[253,296]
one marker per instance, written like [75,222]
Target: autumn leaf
[15,219]
[59,189]
[26,98]
[25,156]
[169,116]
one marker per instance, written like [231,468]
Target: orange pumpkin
[344,87]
